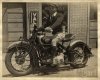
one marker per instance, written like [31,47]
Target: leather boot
[54,51]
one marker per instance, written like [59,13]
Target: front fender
[14,44]
[87,49]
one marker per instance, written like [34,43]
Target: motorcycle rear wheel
[11,67]
[77,54]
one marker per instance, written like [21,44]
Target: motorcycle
[26,56]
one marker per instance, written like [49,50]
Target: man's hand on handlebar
[48,29]
[41,29]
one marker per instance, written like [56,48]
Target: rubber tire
[10,67]
[85,59]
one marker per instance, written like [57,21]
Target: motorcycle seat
[48,39]
[68,37]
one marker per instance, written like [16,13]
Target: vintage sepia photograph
[50,39]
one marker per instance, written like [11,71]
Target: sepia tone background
[81,20]
[78,15]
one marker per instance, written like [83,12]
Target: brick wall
[78,20]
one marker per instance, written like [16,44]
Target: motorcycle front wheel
[17,61]
[78,56]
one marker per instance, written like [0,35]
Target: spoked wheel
[18,62]
[78,56]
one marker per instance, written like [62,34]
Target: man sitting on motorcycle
[56,26]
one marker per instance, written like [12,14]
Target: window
[93,11]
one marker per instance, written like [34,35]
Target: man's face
[53,9]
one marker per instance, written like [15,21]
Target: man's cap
[53,5]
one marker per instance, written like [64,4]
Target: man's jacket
[55,22]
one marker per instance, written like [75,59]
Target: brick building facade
[81,19]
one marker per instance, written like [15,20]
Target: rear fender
[87,49]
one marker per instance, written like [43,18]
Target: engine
[59,59]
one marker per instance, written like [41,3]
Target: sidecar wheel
[78,52]
[12,68]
